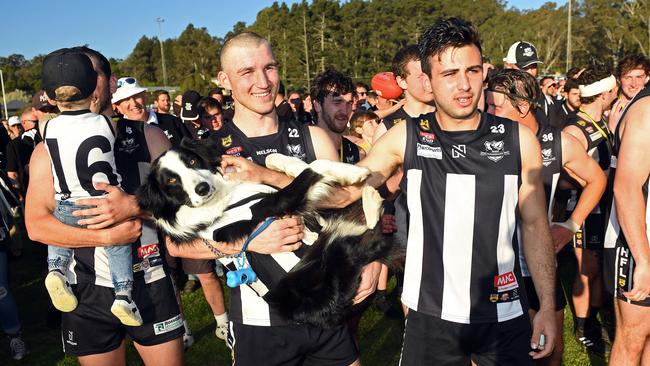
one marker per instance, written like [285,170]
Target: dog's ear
[150,197]
[207,149]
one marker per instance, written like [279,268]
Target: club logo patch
[226,141]
[494,150]
[424,124]
[547,157]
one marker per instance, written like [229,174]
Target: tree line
[360,37]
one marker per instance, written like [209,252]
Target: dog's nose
[202,189]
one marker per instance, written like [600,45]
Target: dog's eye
[192,162]
[171,180]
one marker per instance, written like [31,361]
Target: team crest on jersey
[547,157]
[494,150]
[128,145]
[295,151]
[582,123]
[424,124]
[226,141]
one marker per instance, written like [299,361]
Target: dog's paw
[372,205]
[286,164]
[344,174]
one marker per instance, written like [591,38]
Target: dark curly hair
[405,55]
[446,33]
[591,75]
[329,82]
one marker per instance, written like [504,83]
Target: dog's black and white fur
[189,198]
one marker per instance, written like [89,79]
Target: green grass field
[381,337]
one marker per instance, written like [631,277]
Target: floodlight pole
[160,20]
[4,100]
[568,38]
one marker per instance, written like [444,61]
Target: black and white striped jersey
[80,145]
[292,139]
[462,193]
[614,236]
[90,265]
[550,140]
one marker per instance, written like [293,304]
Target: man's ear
[401,82]
[223,80]
[317,107]
[523,107]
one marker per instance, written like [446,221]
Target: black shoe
[191,286]
[592,342]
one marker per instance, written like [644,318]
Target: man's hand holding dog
[238,168]
[116,206]
[369,279]
[282,235]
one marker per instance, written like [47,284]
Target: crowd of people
[495,181]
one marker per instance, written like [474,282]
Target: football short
[609,271]
[91,328]
[289,345]
[624,276]
[533,300]
[591,234]
[429,340]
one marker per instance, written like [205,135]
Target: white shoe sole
[62,297]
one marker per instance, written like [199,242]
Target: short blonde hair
[66,93]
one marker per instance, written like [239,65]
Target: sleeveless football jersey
[462,190]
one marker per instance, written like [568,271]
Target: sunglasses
[125,81]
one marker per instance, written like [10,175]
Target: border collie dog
[189,199]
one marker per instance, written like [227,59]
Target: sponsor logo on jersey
[234,151]
[295,151]
[429,152]
[168,134]
[266,151]
[168,325]
[148,263]
[458,151]
[427,137]
[547,157]
[494,150]
[424,124]
[129,130]
[147,250]
[507,296]
[505,282]
[226,141]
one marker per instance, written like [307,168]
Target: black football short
[533,300]
[624,276]
[289,345]
[197,266]
[429,340]
[591,234]
[91,328]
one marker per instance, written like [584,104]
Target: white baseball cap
[13,120]
[126,87]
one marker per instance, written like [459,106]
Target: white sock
[221,319]
[187,327]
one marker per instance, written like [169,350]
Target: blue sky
[31,27]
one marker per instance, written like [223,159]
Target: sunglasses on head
[125,81]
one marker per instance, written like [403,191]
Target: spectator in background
[190,114]
[281,105]
[362,127]
[162,101]
[210,114]
[570,106]
[14,127]
[633,73]
[131,101]
[360,103]
[176,107]
[549,89]
[217,94]
[297,108]
[18,153]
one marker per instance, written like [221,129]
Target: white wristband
[569,225]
